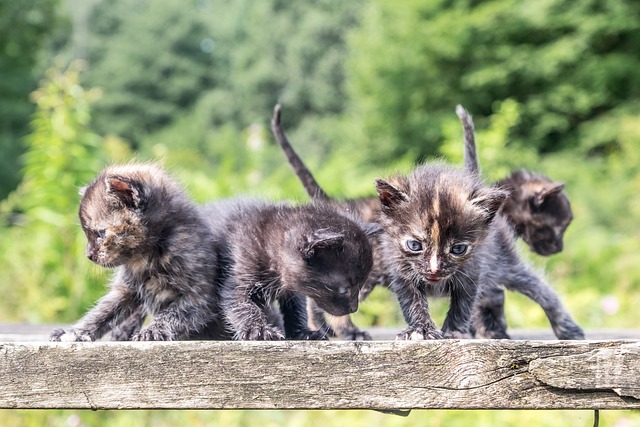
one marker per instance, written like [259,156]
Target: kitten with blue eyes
[139,221]
[439,240]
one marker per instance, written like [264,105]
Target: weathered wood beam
[382,375]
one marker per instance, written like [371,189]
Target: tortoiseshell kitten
[439,240]
[139,221]
[537,208]
[511,271]
[284,253]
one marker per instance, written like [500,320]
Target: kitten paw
[569,332]
[417,333]
[153,333]
[260,333]
[69,335]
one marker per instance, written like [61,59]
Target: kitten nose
[353,306]
[91,254]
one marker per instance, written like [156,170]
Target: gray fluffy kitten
[139,221]
[537,208]
[284,253]
[511,271]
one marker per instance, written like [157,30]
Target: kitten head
[434,220]
[119,212]
[539,210]
[334,258]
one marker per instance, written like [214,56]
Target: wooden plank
[381,375]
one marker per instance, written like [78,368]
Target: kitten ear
[489,201]
[389,195]
[125,190]
[554,189]
[321,239]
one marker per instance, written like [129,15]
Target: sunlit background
[368,88]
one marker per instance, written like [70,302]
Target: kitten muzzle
[433,278]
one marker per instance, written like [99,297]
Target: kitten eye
[458,249]
[102,233]
[343,290]
[414,245]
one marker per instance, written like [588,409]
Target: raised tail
[304,175]
[470,154]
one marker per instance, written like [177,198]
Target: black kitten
[285,253]
[509,269]
[537,207]
[139,221]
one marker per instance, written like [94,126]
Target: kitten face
[434,220]
[539,210]
[335,264]
[114,229]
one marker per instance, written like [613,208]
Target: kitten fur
[284,253]
[139,221]
[438,240]
[511,271]
[367,209]
[459,217]
[489,311]
[537,208]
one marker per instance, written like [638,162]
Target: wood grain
[382,375]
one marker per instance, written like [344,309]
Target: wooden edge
[380,375]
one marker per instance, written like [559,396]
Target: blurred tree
[25,28]
[227,61]
[569,65]
[152,59]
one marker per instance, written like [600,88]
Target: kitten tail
[311,186]
[470,154]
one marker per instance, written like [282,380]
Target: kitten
[510,270]
[139,221]
[367,209]
[439,240]
[500,261]
[537,208]
[283,253]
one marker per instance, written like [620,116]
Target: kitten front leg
[294,312]
[316,317]
[112,309]
[245,317]
[488,314]
[415,309]
[463,295]
[131,326]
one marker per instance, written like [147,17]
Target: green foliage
[25,27]
[42,253]
[568,65]
[227,55]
